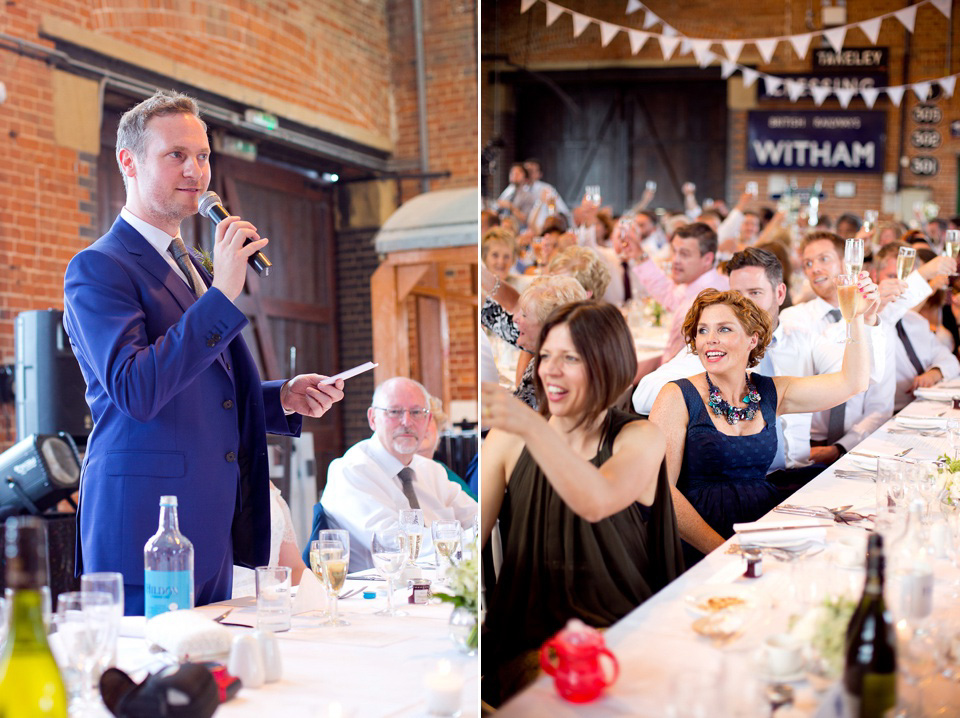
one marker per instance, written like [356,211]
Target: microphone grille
[207,200]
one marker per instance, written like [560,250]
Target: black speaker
[49,387]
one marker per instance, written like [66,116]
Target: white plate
[764,674]
[782,540]
[700,601]
[920,422]
[868,463]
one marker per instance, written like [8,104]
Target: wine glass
[84,622]
[411,523]
[870,217]
[334,554]
[951,246]
[849,297]
[591,195]
[389,551]
[853,256]
[905,259]
[447,535]
[110,583]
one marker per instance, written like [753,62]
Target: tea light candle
[443,690]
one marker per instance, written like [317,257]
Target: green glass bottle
[870,669]
[30,682]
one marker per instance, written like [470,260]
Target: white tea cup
[783,654]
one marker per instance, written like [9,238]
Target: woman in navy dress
[721,425]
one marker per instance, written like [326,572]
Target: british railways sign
[819,141]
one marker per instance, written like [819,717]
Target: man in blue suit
[177,403]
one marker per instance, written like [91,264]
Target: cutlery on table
[219,619]
[354,592]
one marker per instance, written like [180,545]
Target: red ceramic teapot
[577,672]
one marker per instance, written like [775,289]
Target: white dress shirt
[363,494]
[159,240]
[929,350]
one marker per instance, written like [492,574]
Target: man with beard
[382,475]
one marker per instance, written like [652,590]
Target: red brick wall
[526,41]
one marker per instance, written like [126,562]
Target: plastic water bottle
[167,564]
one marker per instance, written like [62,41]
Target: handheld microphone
[211,207]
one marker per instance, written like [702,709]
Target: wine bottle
[167,565]
[30,681]
[870,668]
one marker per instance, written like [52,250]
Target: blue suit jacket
[178,408]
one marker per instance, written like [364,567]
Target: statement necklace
[734,414]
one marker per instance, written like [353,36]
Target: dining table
[667,669]
[376,666]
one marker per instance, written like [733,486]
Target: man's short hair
[384,385]
[132,130]
[652,216]
[940,222]
[887,251]
[526,172]
[532,161]
[554,223]
[703,233]
[822,234]
[850,218]
[755,257]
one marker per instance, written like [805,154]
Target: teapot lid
[577,635]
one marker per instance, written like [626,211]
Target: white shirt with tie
[160,240]
[363,494]
[928,349]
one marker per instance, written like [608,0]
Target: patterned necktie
[835,424]
[179,251]
[406,477]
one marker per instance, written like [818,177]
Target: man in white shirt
[758,275]
[517,199]
[921,360]
[380,476]
[545,195]
[694,253]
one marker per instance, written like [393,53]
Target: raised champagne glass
[853,256]
[411,523]
[848,295]
[334,557]
[870,218]
[389,551]
[905,259]
[951,246]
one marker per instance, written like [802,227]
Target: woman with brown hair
[570,485]
[721,425]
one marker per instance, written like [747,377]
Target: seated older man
[379,476]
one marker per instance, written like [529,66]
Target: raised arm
[670,414]
[593,493]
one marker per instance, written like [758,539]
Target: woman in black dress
[587,521]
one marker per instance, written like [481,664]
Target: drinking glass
[447,536]
[273,598]
[926,484]
[870,218]
[853,256]
[849,296]
[110,583]
[389,551]
[591,195]
[951,246]
[891,480]
[335,558]
[651,185]
[411,523]
[753,188]
[905,259]
[84,622]
[953,434]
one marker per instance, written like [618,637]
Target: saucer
[764,674]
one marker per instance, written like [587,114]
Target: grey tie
[835,430]
[179,251]
[406,477]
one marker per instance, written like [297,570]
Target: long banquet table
[666,668]
[373,667]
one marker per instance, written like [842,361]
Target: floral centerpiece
[824,628]
[950,481]
[463,580]
[654,310]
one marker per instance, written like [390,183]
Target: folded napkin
[937,393]
[189,635]
[921,422]
[777,533]
[311,595]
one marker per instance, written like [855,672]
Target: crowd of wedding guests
[602,483]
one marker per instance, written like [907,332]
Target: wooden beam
[407,278]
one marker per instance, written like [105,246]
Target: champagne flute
[84,622]
[848,295]
[389,551]
[870,218]
[447,535]
[411,523]
[334,558]
[853,256]
[951,246]
[110,583]
[905,259]
[591,195]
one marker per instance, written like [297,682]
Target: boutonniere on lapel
[206,259]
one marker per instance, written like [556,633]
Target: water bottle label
[166,591]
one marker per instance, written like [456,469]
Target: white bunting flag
[685,46]
[772,84]
[553,12]
[707,59]
[650,20]
[871,28]
[732,48]
[801,43]
[835,37]
[908,16]
[948,84]
[820,93]
[670,31]
[727,68]
[845,95]
[895,94]
[607,32]
[921,90]
[526,5]
[580,23]
[794,90]
[869,95]
[637,40]
[766,48]
[749,76]
[701,51]
[943,6]
[668,45]
[633,6]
